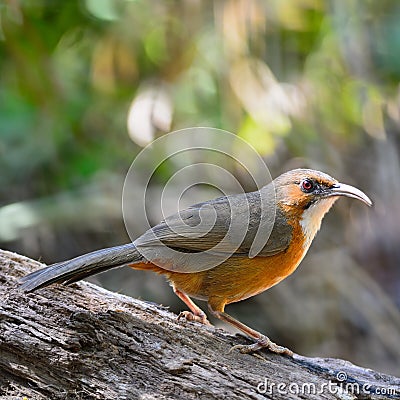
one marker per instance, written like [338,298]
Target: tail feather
[81,267]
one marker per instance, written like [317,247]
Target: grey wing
[227,225]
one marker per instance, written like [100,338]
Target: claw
[189,316]
[262,343]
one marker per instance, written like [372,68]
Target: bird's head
[308,195]
[304,188]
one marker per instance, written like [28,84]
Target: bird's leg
[262,341]
[196,314]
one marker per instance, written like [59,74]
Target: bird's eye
[307,185]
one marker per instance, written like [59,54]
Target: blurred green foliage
[279,74]
[84,85]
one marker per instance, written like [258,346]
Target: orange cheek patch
[296,196]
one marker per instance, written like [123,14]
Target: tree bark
[84,342]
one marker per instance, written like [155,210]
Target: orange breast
[239,278]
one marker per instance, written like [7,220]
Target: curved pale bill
[341,189]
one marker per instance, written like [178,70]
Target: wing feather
[227,224]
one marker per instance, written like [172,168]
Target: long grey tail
[81,267]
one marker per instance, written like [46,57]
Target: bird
[223,250]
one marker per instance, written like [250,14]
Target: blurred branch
[91,206]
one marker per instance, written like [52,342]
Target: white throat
[312,218]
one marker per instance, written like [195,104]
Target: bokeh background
[85,85]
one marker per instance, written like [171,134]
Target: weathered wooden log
[84,342]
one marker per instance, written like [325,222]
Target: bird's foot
[263,343]
[189,316]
